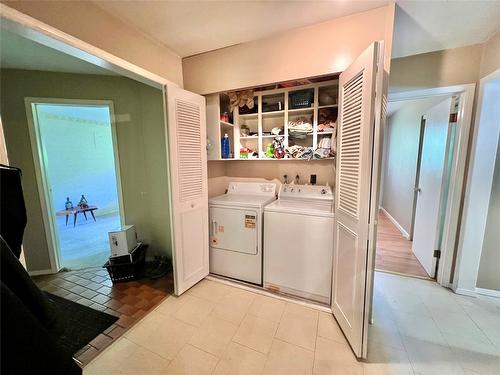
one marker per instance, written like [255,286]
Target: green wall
[141,150]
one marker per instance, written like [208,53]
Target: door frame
[46,201]
[451,228]
[39,32]
[469,248]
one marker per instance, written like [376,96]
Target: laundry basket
[301,99]
[127,268]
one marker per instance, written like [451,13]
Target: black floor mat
[78,324]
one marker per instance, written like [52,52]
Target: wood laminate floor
[394,252]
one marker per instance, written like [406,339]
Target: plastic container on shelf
[225,147]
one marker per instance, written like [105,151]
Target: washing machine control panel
[306,191]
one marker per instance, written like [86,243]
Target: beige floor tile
[161,334]
[288,359]
[214,335]
[429,358]
[298,326]
[329,329]
[194,310]
[332,357]
[420,327]
[127,358]
[171,305]
[475,354]
[267,308]
[234,306]
[211,290]
[240,360]
[381,335]
[191,361]
[384,360]
[256,333]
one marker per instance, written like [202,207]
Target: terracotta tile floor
[394,252]
[92,287]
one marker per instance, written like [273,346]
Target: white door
[234,229]
[430,184]
[187,155]
[356,131]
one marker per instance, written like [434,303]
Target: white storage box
[122,241]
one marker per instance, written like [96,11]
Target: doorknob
[417,189]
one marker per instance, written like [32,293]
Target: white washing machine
[236,230]
[298,242]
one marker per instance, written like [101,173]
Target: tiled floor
[420,328]
[92,287]
[394,252]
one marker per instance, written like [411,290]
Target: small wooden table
[75,211]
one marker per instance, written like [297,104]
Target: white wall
[436,69]
[401,153]
[324,48]
[489,266]
[478,193]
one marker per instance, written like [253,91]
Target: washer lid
[303,207]
[246,200]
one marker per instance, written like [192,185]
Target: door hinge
[437,254]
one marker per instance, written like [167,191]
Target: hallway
[394,252]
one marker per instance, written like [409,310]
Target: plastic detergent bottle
[225,147]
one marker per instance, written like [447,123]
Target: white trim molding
[396,224]
[488,292]
[477,193]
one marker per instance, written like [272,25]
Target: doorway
[75,146]
[418,154]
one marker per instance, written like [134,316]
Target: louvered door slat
[189,150]
[350,140]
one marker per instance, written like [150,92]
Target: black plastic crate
[301,99]
[126,271]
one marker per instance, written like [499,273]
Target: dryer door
[234,229]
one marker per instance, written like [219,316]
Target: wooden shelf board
[226,123]
[300,110]
[328,106]
[273,113]
[249,115]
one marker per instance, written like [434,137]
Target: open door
[357,187]
[431,185]
[186,128]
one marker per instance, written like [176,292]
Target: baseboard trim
[396,224]
[488,292]
[403,274]
[466,292]
[40,272]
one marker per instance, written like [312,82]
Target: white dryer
[298,242]
[236,230]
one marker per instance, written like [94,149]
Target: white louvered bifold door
[352,199]
[186,129]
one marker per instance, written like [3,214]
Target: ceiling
[425,26]
[17,52]
[193,27]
